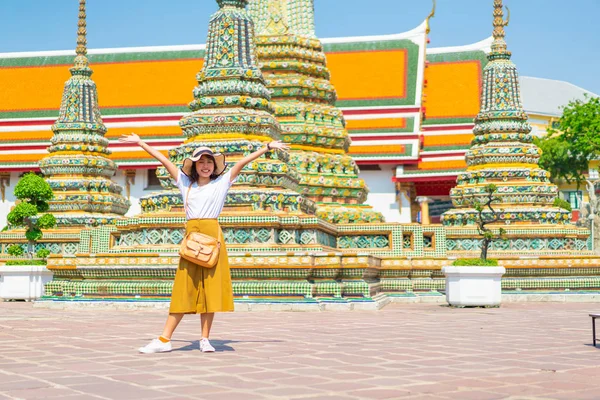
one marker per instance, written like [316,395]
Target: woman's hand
[135,139]
[278,144]
[131,138]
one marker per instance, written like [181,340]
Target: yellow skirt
[196,289]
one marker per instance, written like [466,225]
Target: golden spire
[431,15]
[81,61]
[499,44]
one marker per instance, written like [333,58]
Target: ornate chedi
[503,153]
[232,114]
[78,168]
[294,65]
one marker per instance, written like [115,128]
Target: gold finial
[499,22]
[499,45]
[81,49]
[81,60]
[431,15]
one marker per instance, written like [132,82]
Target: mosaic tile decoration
[326,275]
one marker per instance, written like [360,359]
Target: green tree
[34,193]
[567,151]
[487,215]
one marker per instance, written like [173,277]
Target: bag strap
[185,203]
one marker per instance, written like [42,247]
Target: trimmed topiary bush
[34,193]
[475,262]
[15,250]
[42,253]
[26,262]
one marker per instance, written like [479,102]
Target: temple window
[152,179]
[407,242]
[428,241]
[574,197]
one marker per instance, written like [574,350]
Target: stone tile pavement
[404,351]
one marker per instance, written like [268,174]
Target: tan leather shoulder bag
[199,248]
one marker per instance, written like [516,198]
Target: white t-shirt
[205,201]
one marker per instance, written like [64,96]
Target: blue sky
[554,39]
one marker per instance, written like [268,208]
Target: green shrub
[15,250]
[475,262]
[42,253]
[20,212]
[33,193]
[560,203]
[26,262]
[46,221]
[34,187]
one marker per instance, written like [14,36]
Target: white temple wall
[382,194]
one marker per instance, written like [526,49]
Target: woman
[204,187]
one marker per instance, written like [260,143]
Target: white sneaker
[156,346]
[205,346]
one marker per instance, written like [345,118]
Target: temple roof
[383,84]
[147,89]
[546,96]
[389,66]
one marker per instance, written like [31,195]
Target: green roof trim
[374,45]
[410,127]
[393,156]
[443,121]
[449,147]
[102,58]
[104,110]
[431,171]
[478,55]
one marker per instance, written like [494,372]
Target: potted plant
[478,282]
[24,278]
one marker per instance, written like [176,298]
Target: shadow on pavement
[219,345]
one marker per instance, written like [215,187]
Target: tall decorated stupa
[232,114]
[78,168]
[294,65]
[503,153]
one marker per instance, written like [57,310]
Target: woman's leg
[163,342]
[206,320]
[172,321]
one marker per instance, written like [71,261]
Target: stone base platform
[316,305]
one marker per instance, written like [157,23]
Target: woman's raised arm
[237,168]
[135,139]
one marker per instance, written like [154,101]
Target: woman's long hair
[194,173]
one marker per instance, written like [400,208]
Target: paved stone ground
[416,351]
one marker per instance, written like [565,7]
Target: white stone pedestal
[473,286]
[23,282]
